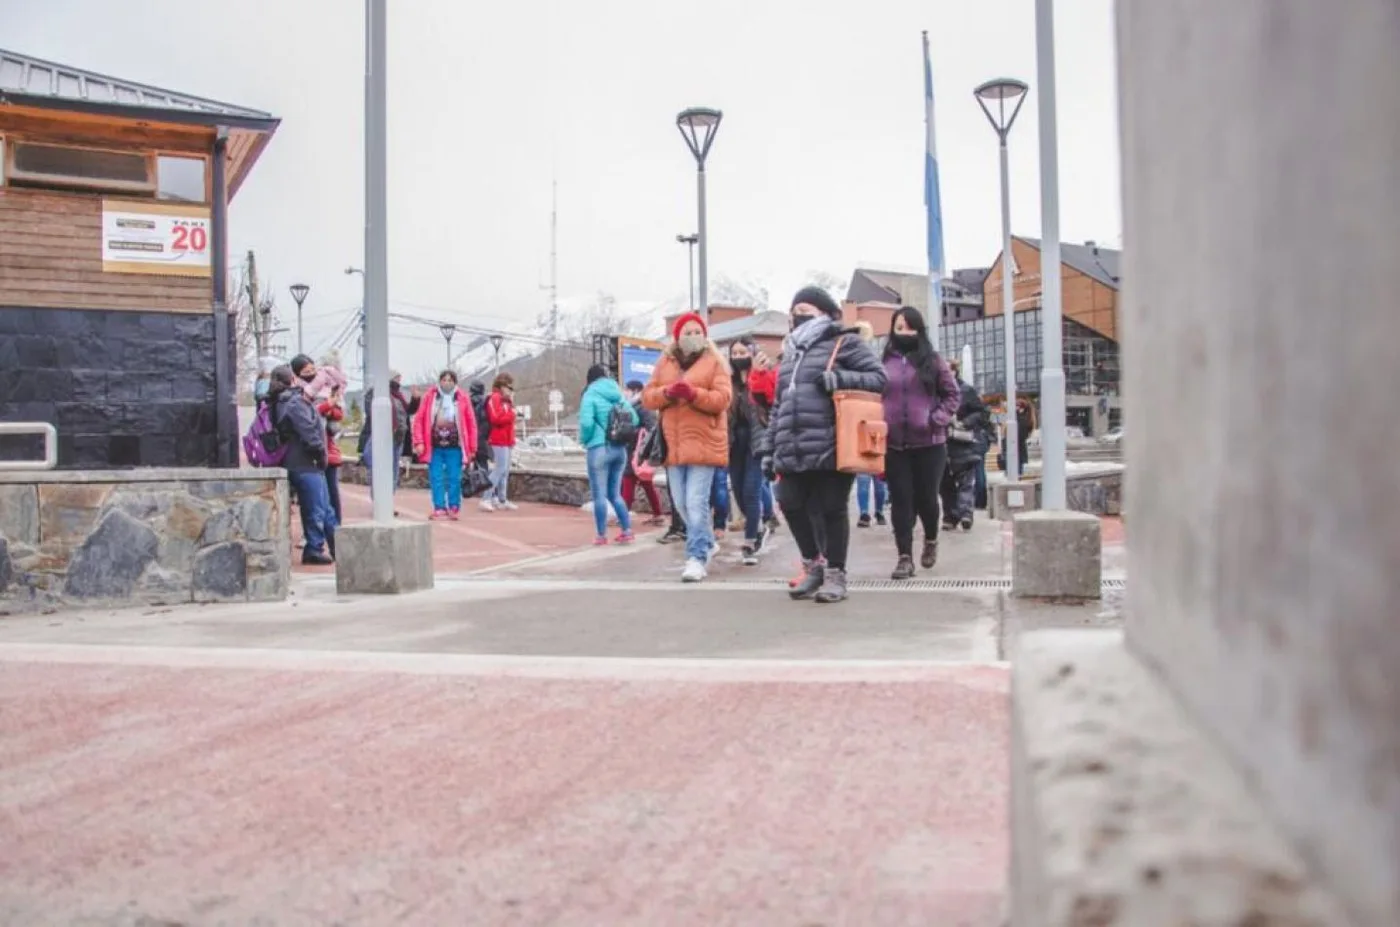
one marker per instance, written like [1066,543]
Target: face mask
[904,343]
[446,390]
[800,320]
[692,344]
[742,364]
[260,389]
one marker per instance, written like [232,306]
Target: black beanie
[816,296]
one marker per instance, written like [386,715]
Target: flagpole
[934,207]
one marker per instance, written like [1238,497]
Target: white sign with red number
[155,238]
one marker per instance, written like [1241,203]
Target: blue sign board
[636,360]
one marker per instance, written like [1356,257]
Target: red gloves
[680,391]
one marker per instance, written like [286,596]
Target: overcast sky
[818,163]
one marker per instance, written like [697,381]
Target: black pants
[817,506]
[913,477]
[959,491]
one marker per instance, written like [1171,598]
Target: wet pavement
[556,734]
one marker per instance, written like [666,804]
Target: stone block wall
[124,388]
[1261,178]
[157,537]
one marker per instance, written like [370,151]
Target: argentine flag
[933,205]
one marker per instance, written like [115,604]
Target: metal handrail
[50,434]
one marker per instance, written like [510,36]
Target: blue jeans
[691,487]
[747,477]
[719,498]
[314,500]
[500,473]
[863,482]
[767,501]
[606,464]
[445,477]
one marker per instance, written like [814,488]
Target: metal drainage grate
[1114,584]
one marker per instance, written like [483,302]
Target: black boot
[929,558]
[812,578]
[833,588]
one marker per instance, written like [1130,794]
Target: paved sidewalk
[570,737]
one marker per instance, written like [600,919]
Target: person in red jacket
[444,434]
[500,415]
[332,409]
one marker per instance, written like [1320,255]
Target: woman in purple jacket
[920,401]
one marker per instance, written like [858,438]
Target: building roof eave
[265,124]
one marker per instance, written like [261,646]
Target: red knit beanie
[685,320]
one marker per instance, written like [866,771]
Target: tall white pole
[377,259]
[1008,316]
[1052,374]
[704,307]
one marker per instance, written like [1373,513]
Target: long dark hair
[924,358]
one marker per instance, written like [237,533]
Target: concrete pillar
[374,558]
[1260,325]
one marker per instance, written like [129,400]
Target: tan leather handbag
[861,432]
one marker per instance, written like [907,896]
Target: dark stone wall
[124,388]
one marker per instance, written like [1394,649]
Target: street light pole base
[384,558]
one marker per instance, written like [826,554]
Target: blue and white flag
[934,206]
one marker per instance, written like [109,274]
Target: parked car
[1112,436]
[1072,433]
[552,444]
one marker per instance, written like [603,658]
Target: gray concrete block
[379,559]
[1124,812]
[1009,499]
[1056,555]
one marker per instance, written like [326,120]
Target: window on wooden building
[62,166]
[180,178]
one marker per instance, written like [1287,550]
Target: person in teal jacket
[606,461]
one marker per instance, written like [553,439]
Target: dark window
[82,168]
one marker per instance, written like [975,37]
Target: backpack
[622,427]
[263,445]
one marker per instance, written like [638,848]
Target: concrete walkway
[571,737]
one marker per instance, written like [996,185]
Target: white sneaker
[487,505]
[507,506]
[694,572]
[710,554]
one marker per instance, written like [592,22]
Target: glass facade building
[1090,360]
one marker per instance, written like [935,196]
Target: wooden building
[1089,276]
[114,325]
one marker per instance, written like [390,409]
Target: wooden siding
[51,256]
[1082,298]
[81,129]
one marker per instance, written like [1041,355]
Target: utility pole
[259,320]
[554,283]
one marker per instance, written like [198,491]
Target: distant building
[962,291]
[1089,286]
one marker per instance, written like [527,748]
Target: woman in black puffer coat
[800,443]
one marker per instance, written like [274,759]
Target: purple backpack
[262,444]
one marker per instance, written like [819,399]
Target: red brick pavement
[481,540]
[145,794]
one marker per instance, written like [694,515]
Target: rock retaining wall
[142,537]
[525,485]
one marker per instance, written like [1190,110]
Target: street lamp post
[447,332]
[299,293]
[496,341]
[689,242]
[1052,373]
[1002,94]
[376,272]
[364,335]
[698,126]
